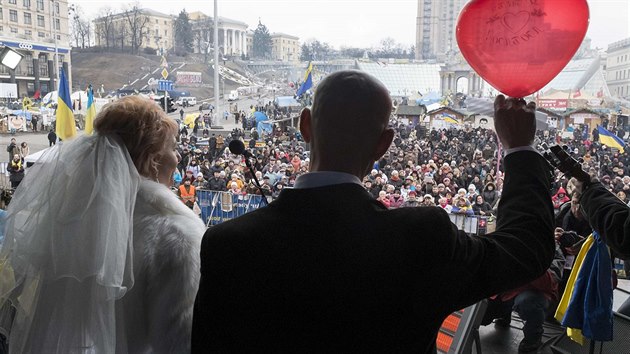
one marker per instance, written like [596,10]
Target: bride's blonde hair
[143,127]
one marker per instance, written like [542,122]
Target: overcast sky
[358,23]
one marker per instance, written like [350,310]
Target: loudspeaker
[619,345]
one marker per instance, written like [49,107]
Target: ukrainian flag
[609,139]
[91,112]
[65,127]
[308,80]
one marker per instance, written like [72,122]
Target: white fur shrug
[157,312]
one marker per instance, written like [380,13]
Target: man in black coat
[326,268]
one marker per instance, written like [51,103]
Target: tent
[262,123]
[287,101]
[32,158]
[429,98]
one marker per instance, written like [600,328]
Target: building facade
[435,28]
[618,68]
[285,47]
[232,34]
[36,29]
[155,30]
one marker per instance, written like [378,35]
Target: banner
[552,103]
[188,78]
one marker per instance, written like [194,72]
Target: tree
[203,36]
[306,54]
[137,27]
[105,29]
[80,27]
[261,46]
[183,33]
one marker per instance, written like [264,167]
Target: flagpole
[216,63]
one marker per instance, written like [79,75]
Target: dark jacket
[330,269]
[609,216]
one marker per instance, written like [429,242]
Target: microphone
[238,148]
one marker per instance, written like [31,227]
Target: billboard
[185,78]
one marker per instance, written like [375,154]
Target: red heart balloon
[518,46]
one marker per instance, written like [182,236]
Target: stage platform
[497,340]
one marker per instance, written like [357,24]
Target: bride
[99,255]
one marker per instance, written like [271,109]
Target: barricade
[473,224]
[217,207]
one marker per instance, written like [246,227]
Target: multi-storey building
[618,68]
[36,29]
[154,30]
[232,41]
[285,47]
[435,28]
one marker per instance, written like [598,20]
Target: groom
[326,268]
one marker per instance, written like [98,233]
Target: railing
[217,207]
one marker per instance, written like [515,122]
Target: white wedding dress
[68,255]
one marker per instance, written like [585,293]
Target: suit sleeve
[609,216]
[521,248]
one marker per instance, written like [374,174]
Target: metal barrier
[474,225]
[217,207]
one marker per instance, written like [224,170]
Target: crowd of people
[456,169]
[339,262]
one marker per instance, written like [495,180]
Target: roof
[549,112]
[154,13]
[198,15]
[410,110]
[575,75]
[583,110]
[447,109]
[405,79]
[284,35]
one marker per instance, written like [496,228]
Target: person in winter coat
[125,250]
[559,198]
[490,194]
[480,207]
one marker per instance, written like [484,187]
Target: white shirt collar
[325,178]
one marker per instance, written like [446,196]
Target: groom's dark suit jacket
[331,270]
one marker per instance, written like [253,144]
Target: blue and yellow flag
[91,112]
[609,139]
[65,127]
[308,80]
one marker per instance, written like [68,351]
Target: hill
[119,70]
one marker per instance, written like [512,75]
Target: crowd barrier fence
[217,207]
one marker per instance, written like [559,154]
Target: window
[13,2]
[165,32]
[57,8]
[26,3]
[40,21]
[27,18]
[28,58]
[165,22]
[13,15]
[57,24]
[156,20]
[41,34]
[40,5]
[28,32]
[14,30]
[1,14]
[58,37]
[157,32]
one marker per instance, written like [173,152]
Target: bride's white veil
[67,254]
